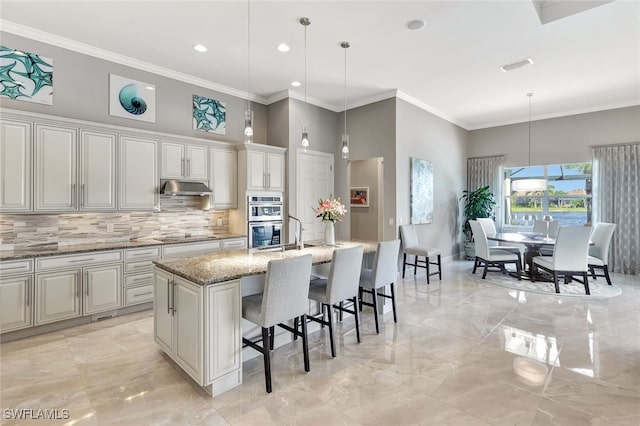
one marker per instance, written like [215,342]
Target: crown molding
[107,55]
[424,106]
[311,100]
[369,100]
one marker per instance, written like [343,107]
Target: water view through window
[567,197]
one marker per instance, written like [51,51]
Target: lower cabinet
[16,302]
[102,288]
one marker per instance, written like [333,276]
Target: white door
[315,180]
[173,160]
[188,327]
[275,167]
[138,174]
[56,168]
[57,296]
[97,171]
[224,178]
[256,172]
[162,313]
[16,302]
[15,166]
[197,162]
[102,288]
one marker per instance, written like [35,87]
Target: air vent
[516,65]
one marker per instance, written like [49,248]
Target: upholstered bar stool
[341,285]
[412,246]
[285,297]
[384,272]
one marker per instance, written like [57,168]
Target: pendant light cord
[345,46]
[249,55]
[529,95]
[305,63]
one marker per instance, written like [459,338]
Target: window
[567,197]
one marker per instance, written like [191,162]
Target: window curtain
[616,199]
[482,171]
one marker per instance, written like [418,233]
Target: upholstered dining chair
[599,251]
[569,256]
[541,227]
[384,272]
[412,246]
[285,297]
[490,229]
[342,284]
[489,257]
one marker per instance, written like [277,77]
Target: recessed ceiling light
[295,83]
[283,47]
[200,48]
[416,24]
[516,65]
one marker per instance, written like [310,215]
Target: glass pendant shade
[345,146]
[529,185]
[305,138]
[248,126]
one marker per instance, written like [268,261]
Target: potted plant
[477,203]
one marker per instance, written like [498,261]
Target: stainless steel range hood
[183,187]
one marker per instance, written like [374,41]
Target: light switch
[391,221]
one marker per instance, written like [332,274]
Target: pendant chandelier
[530,184]
[305,130]
[248,114]
[345,137]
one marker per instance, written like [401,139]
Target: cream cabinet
[97,187]
[224,178]
[58,296]
[138,274]
[16,302]
[223,332]
[16,145]
[264,167]
[55,168]
[138,183]
[183,161]
[102,287]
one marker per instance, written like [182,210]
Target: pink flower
[330,209]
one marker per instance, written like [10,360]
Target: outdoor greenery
[478,203]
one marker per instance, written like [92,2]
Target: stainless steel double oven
[265,220]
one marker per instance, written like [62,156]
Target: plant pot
[469,250]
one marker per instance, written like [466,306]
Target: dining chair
[341,285]
[569,259]
[498,258]
[490,229]
[412,246]
[383,273]
[541,227]
[285,297]
[599,251]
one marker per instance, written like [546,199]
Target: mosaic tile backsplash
[178,217]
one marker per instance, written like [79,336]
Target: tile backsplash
[179,216]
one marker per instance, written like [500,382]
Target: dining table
[532,242]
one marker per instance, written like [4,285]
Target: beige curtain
[482,171]
[616,199]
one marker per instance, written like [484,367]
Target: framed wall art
[26,76]
[359,196]
[209,115]
[421,199]
[132,99]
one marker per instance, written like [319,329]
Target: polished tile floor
[464,352]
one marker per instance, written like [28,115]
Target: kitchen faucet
[300,243]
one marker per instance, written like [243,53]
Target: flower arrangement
[332,210]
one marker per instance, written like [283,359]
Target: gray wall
[423,135]
[365,220]
[557,140]
[81,91]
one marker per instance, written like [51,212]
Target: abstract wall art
[421,199]
[26,76]
[209,115]
[359,196]
[132,99]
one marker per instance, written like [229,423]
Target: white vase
[329,233]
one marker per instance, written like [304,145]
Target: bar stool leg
[439,268]
[428,272]
[331,337]
[375,309]
[266,357]
[415,265]
[393,303]
[305,343]
[404,263]
[356,316]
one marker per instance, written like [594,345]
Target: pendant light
[248,114]
[345,137]
[305,22]
[530,184]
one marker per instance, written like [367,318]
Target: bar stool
[285,297]
[413,247]
[341,285]
[384,272]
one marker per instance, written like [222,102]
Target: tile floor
[464,352]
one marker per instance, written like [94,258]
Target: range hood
[183,187]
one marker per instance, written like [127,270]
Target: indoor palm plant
[477,203]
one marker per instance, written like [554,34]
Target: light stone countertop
[56,250]
[230,265]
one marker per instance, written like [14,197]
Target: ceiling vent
[516,65]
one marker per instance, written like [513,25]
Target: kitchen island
[198,312]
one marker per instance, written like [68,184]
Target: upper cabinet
[223,179]
[138,183]
[15,165]
[263,167]
[183,161]
[97,171]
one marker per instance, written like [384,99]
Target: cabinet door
[197,162]
[138,174]
[275,178]
[56,168]
[173,160]
[162,313]
[57,296]
[102,288]
[188,327]
[97,171]
[16,301]
[256,172]
[223,329]
[224,178]
[15,166]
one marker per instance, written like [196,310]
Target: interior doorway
[367,176]
[314,178]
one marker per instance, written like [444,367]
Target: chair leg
[360,295]
[439,268]
[356,316]
[393,303]
[486,268]
[533,271]
[375,309]
[266,357]
[427,268]
[606,274]
[586,283]
[340,312]
[305,343]
[295,325]
[593,272]
[518,269]
[404,263]
[331,337]
[555,281]
[475,265]
[415,265]
[272,332]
